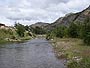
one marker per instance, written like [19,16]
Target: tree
[86,31]
[72,30]
[27,28]
[38,30]
[59,32]
[20,29]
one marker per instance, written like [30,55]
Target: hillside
[72,17]
[39,24]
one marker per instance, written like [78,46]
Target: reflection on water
[36,53]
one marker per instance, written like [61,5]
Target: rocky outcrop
[72,17]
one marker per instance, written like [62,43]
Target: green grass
[72,49]
[3,41]
[84,63]
[8,36]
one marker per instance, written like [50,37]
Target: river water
[36,53]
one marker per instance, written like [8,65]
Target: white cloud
[6,21]
[31,11]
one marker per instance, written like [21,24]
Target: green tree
[27,28]
[20,29]
[73,31]
[59,32]
[86,31]
[38,30]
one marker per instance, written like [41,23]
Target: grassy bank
[19,39]
[74,51]
[10,35]
[3,42]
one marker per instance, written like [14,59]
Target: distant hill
[39,24]
[72,17]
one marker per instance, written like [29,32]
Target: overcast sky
[32,11]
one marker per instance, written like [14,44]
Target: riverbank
[20,39]
[16,33]
[74,51]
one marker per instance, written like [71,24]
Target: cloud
[32,11]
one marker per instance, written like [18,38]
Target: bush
[59,32]
[38,30]
[20,29]
[84,63]
[86,31]
[73,30]
[6,33]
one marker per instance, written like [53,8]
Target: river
[36,53]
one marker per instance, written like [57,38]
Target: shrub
[86,31]
[72,30]
[20,29]
[84,63]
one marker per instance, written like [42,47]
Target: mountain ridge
[71,17]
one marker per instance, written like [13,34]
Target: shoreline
[19,40]
[72,50]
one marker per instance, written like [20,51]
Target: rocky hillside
[72,17]
[39,24]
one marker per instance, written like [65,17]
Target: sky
[28,12]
